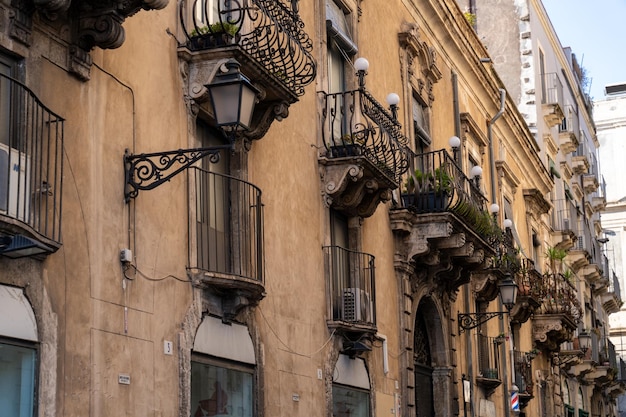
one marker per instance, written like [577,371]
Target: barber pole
[515,401]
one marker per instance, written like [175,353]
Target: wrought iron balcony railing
[31,164]
[268,31]
[560,298]
[523,373]
[564,216]
[354,124]
[614,286]
[436,183]
[530,281]
[228,226]
[488,356]
[551,89]
[351,286]
[570,123]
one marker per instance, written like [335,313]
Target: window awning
[17,319]
[228,341]
[337,28]
[351,372]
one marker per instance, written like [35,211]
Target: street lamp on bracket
[508,296]
[233,98]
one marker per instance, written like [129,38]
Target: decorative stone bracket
[96,22]
[438,244]
[92,23]
[354,185]
[524,308]
[550,330]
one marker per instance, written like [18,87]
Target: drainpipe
[492,162]
[492,169]
[457,116]
[466,298]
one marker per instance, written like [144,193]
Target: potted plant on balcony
[532,354]
[499,339]
[350,144]
[428,191]
[490,373]
[555,259]
[213,35]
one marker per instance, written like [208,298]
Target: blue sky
[596,32]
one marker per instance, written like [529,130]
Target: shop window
[226,390]
[351,388]
[18,354]
[222,370]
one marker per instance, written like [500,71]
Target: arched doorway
[423,365]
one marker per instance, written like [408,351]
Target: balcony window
[421,125]
[341,46]
[523,373]
[488,356]
[213,223]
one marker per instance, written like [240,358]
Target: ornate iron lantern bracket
[468,321]
[149,170]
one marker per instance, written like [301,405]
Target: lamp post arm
[149,170]
[468,321]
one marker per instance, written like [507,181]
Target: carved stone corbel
[100,21]
[51,8]
[549,331]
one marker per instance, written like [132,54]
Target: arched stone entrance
[432,385]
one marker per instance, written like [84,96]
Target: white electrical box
[126,255]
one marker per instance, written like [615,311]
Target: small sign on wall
[123,379]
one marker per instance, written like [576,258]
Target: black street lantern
[584,341]
[233,98]
[508,292]
[508,297]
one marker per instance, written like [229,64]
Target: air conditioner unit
[14,190]
[357,305]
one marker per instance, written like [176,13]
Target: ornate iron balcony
[268,31]
[560,297]
[436,183]
[355,124]
[31,165]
